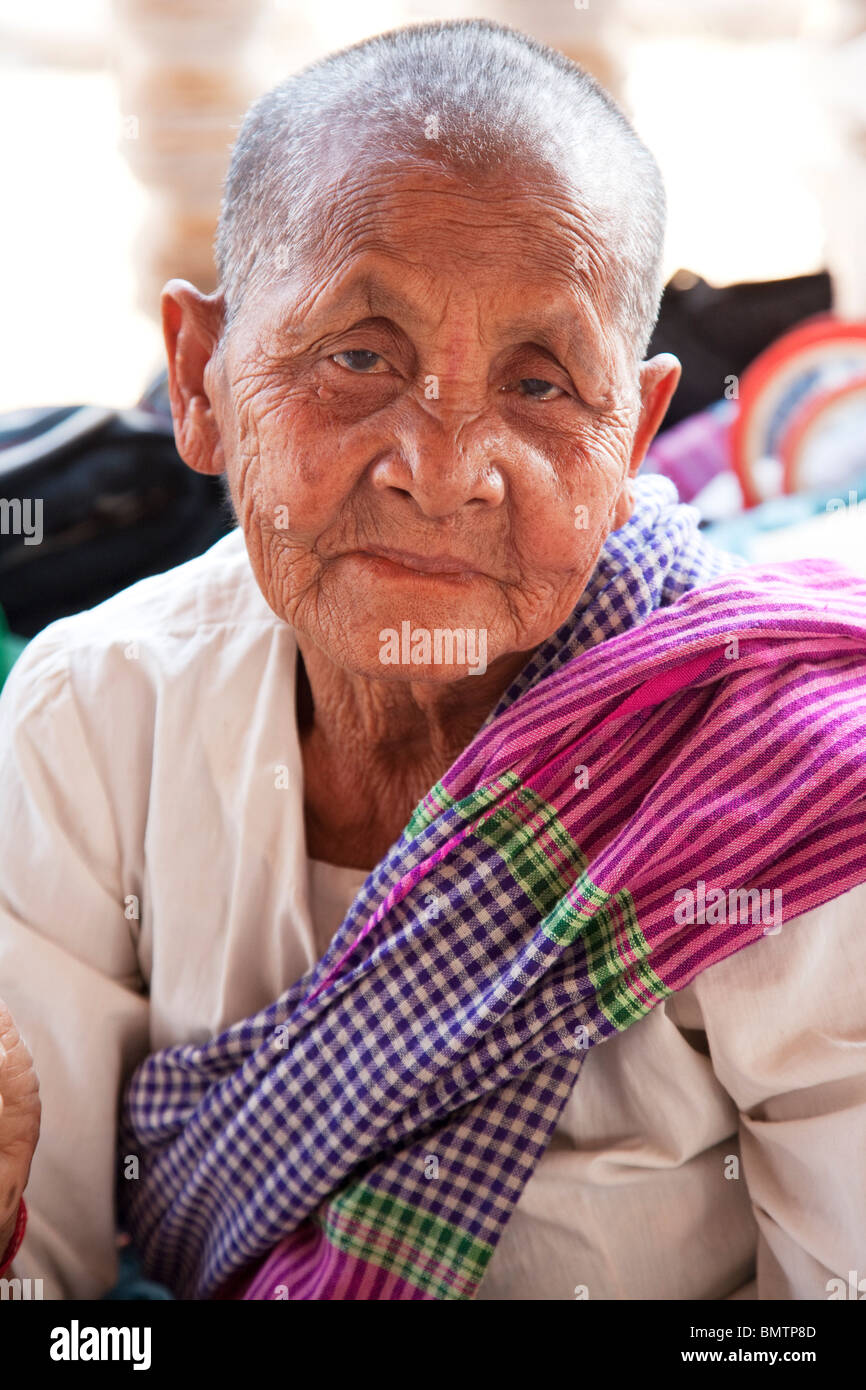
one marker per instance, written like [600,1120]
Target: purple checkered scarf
[694,734]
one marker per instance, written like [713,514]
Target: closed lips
[425,564]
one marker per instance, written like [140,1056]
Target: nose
[442,467]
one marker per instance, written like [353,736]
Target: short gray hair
[492,90]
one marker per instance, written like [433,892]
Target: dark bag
[92,500]
[717,332]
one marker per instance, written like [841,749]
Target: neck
[373,748]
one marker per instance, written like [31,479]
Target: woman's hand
[20,1112]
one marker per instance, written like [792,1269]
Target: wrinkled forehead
[530,242]
[563,219]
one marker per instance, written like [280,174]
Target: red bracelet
[17,1236]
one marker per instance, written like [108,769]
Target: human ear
[659,378]
[191,324]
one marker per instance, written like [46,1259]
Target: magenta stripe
[308,1267]
[713,748]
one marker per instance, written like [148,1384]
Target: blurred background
[116,119]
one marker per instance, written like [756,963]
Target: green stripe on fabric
[566,922]
[626,1000]
[369,1224]
[535,846]
[626,986]
[434,803]
[543,858]
[438,800]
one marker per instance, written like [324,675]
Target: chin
[384,638]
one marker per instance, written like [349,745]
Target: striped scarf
[688,748]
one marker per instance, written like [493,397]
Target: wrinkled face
[431,421]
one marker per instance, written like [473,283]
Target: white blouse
[155,888]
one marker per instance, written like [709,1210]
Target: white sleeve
[68,966]
[785,1021]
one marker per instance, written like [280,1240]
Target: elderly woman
[451,884]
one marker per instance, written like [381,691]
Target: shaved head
[470,97]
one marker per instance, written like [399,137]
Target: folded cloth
[368,1135]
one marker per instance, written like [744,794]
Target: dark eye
[359,360]
[538,389]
